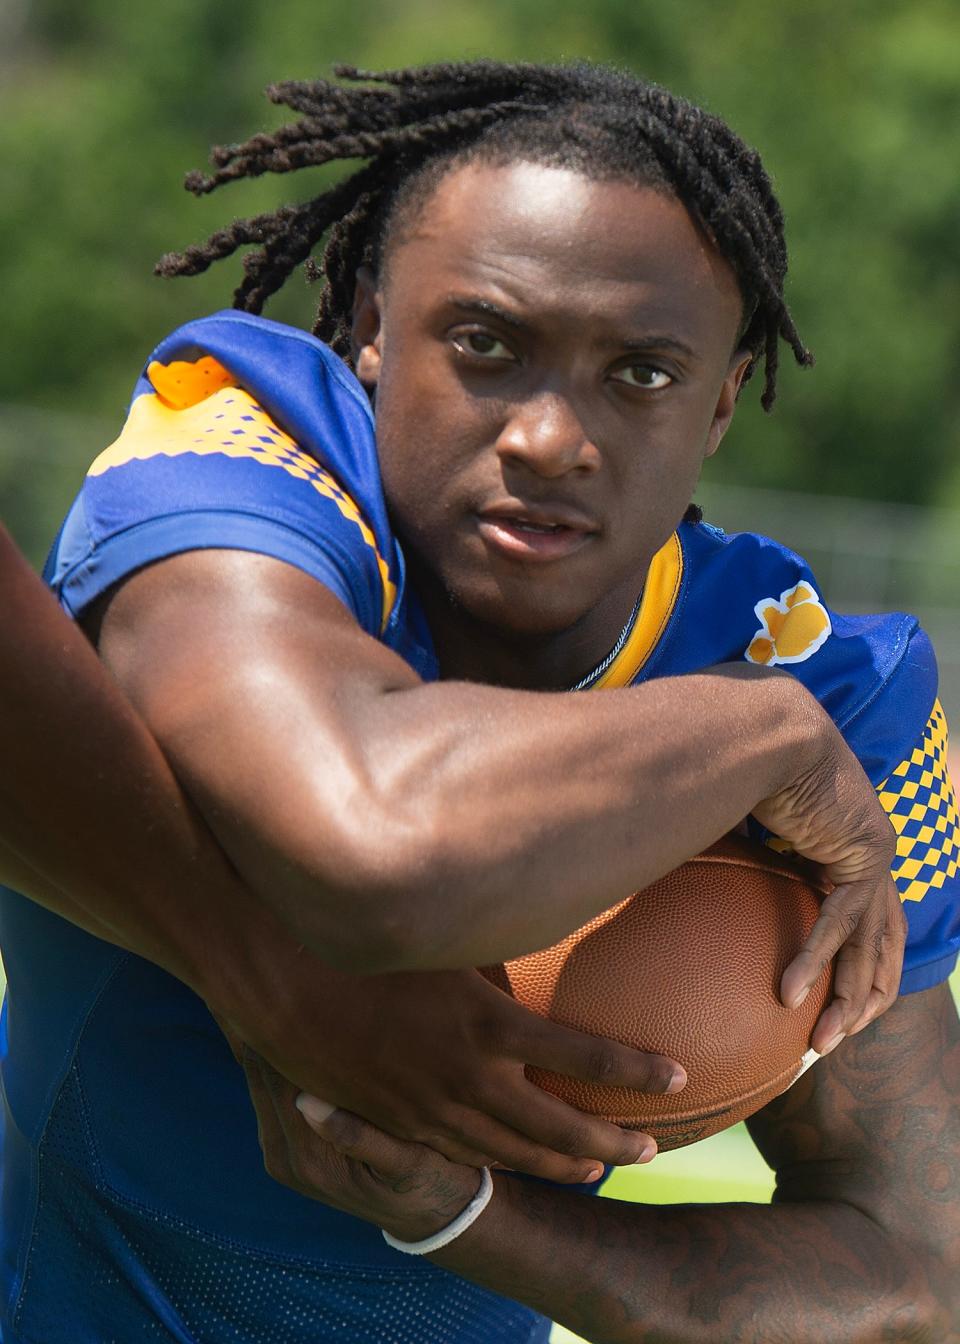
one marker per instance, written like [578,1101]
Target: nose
[546,435]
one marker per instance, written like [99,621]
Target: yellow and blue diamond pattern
[918,798]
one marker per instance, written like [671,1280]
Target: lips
[535,532]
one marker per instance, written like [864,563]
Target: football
[688,968]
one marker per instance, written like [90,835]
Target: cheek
[652,489]
[406,434]
[430,433]
[421,459]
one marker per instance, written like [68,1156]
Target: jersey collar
[660,594]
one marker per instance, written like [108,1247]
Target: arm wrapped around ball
[860,1246]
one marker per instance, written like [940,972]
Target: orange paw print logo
[182,383]
[792,627]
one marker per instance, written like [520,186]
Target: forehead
[553,239]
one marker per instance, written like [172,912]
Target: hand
[830,814]
[438,1057]
[337,1158]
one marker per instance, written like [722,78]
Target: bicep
[255,680]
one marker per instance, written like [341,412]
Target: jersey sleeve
[877,678]
[918,798]
[200,464]
[896,727]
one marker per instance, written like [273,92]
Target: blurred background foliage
[855,108]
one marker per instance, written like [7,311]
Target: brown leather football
[688,968]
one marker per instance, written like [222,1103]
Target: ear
[365,329]
[727,401]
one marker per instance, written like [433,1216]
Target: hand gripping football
[688,968]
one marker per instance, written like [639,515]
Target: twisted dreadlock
[413,125]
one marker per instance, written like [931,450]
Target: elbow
[925,1304]
[934,1315]
[930,1318]
[372,940]
[381,907]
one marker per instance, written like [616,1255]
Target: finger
[306,1162]
[511,1148]
[270,1133]
[890,965]
[855,970]
[595,1059]
[393,1160]
[839,918]
[886,980]
[455,1145]
[428,1188]
[471,1131]
[355,1137]
[450,1144]
[877,1004]
[556,1125]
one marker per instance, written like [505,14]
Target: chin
[525,613]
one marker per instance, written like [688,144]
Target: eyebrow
[487,309]
[653,341]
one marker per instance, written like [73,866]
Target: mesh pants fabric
[100,1270]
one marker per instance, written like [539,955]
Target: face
[552,359]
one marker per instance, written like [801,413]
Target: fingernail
[678,1080]
[313,1110]
[647,1154]
[800,997]
[833,1043]
[593,1174]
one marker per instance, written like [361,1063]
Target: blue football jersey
[135,1204]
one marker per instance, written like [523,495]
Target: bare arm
[457,824]
[861,1246]
[94,825]
[96,828]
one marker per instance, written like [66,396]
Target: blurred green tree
[856,109]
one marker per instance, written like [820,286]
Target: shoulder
[747,596]
[245,434]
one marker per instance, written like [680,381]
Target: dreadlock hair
[414,125]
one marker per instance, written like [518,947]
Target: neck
[469,649]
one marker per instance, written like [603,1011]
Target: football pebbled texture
[690,968]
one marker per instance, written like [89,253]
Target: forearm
[618,1273]
[94,825]
[861,1246]
[459,825]
[542,810]
[399,825]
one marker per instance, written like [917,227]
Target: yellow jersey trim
[660,594]
[227,422]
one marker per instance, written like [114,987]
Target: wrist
[241,960]
[449,1201]
[791,727]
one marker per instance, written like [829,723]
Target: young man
[552,284]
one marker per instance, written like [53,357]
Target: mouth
[535,534]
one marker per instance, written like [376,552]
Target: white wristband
[452,1230]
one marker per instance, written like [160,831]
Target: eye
[644,376]
[481,345]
